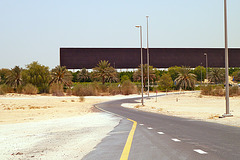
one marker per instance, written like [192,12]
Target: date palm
[216,75]
[104,71]
[185,79]
[61,75]
[14,77]
[83,75]
[137,74]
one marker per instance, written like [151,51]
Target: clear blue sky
[34,30]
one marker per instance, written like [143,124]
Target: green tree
[127,73]
[232,70]
[105,72]
[165,82]
[217,75]
[14,77]
[3,75]
[38,75]
[84,75]
[75,76]
[61,75]
[236,76]
[174,71]
[200,71]
[185,78]
[137,74]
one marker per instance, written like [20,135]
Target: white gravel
[67,138]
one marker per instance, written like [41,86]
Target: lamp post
[147,56]
[205,54]
[201,74]
[138,26]
[227,114]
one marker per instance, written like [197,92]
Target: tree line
[42,78]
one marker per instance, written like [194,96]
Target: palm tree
[61,75]
[185,79]
[137,74]
[104,71]
[83,75]
[14,77]
[216,75]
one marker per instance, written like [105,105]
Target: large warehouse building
[77,58]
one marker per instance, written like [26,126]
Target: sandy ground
[49,127]
[17,108]
[56,139]
[194,106]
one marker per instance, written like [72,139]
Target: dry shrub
[69,92]
[57,89]
[234,91]
[2,91]
[81,99]
[5,89]
[128,88]
[84,90]
[218,91]
[206,90]
[30,89]
[114,89]
[213,116]
[138,106]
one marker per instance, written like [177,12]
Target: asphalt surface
[169,138]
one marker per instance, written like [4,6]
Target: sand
[17,108]
[194,106]
[49,127]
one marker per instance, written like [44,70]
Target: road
[164,137]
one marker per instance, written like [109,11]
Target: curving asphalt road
[167,138]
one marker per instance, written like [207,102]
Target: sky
[35,30]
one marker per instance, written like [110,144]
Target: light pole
[147,56]
[205,54]
[227,114]
[138,26]
[201,74]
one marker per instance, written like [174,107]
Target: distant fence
[77,58]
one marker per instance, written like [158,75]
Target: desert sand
[17,108]
[193,105]
[48,127]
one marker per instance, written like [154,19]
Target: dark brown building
[77,58]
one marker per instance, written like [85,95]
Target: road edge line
[128,144]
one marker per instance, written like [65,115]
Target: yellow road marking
[128,144]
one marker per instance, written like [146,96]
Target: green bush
[57,89]
[30,89]
[128,88]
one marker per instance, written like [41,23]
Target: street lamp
[138,26]
[147,57]
[201,74]
[227,114]
[205,54]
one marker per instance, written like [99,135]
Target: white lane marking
[141,124]
[160,132]
[200,151]
[149,128]
[176,140]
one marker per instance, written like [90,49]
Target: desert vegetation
[105,80]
